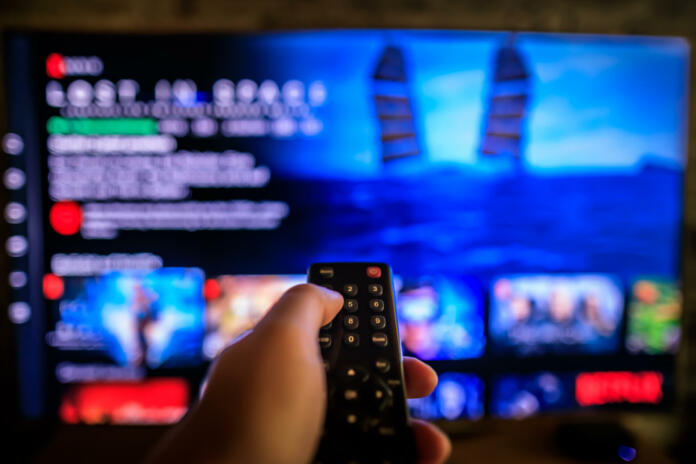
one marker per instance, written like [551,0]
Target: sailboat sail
[507,105]
[392,101]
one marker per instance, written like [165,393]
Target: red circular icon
[211,289]
[55,66]
[53,286]
[66,217]
[374,272]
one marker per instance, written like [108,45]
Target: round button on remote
[352,340]
[351,322]
[377,305]
[350,306]
[375,289]
[378,322]
[350,289]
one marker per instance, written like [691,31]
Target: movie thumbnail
[237,302]
[521,396]
[654,315]
[154,401]
[441,318]
[152,319]
[457,396]
[561,314]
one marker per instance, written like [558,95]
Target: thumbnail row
[173,317]
[514,396]
[458,396]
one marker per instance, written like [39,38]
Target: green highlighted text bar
[101,126]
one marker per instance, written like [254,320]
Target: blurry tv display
[654,317]
[517,396]
[457,396]
[441,318]
[531,315]
[151,318]
[520,396]
[236,303]
[163,191]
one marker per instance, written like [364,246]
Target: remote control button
[350,289]
[380,339]
[378,322]
[373,422]
[382,395]
[350,306]
[350,394]
[351,322]
[326,272]
[327,326]
[374,272]
[382,365]
[325,341]
[327,365]
[356,374]
[375,289]
[351,419]
[351,339]
[377,305]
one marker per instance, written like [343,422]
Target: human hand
[266,396]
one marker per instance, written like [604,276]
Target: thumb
[306,307]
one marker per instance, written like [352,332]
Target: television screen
[520,396]
[441,318]
[531,315]
[457,396]
[162,192]
[517,396]
[150,318]
[236,303]
[654,316]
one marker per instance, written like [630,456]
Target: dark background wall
[652,17]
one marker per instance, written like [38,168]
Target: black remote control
[367,416]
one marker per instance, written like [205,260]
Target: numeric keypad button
[350,289]
[377,305]
[351,340]
[378,322]
[350,306]
[351,322]
[375,289]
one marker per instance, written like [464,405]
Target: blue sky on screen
[597,102]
